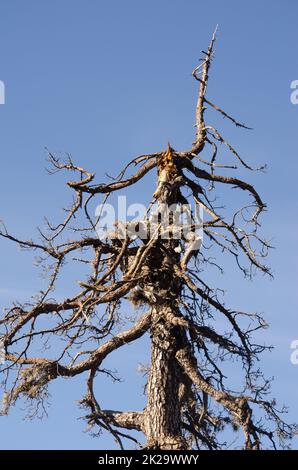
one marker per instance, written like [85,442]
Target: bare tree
[189,399]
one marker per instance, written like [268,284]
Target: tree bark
[162,424]
[162,420]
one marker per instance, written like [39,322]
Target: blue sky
[106,81]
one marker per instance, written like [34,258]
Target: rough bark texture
[163,415]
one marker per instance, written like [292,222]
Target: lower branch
[124,419]
[238,406]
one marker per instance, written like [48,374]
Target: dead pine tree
[190,401]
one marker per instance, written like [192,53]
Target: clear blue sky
[107,80]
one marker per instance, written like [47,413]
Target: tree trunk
[163,412]
[162,424]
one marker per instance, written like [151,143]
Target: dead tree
[189,400]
